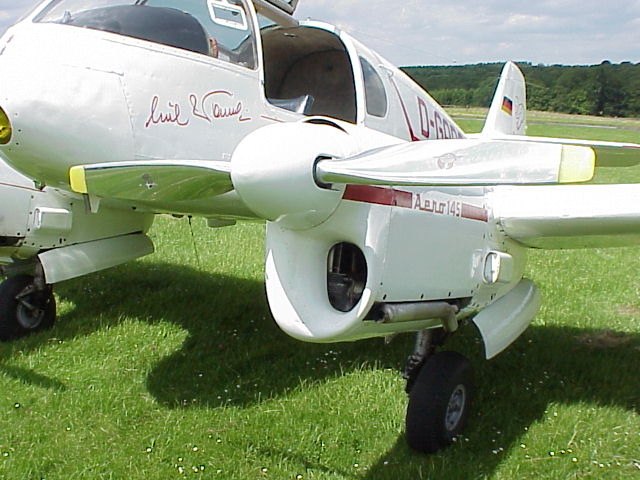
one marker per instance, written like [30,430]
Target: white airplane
[382,215]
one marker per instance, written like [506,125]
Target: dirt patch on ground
[629,310]
[604,339]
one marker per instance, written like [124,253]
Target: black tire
[439,402]
[16,319]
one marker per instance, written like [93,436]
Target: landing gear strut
[27,305]
[440,387]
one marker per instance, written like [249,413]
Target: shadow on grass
[32,378]
[234,354]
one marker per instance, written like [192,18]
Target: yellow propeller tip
[577,164]
[78,180]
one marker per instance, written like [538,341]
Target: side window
[375,94]
[230,32]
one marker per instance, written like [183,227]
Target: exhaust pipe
[409,312]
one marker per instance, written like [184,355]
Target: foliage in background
[606,89]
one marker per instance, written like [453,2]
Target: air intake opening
[346,276]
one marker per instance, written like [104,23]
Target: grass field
[171,367]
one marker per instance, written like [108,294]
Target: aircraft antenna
[193,241]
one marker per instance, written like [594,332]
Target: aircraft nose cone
[58,116]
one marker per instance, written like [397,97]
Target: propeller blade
[608,154]
[153,181]
[463,162]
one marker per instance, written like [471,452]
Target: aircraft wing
[569,216]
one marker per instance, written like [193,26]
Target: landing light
[5,128]
[498,268]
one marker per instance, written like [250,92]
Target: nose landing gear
[440,387]
[27,305]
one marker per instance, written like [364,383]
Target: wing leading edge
[569,216]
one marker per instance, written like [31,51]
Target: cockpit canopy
[288,6]
[218,28]
[307,69]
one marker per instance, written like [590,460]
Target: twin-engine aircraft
[382,215]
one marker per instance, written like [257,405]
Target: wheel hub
[31,308]
[455,407]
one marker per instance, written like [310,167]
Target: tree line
[606,89]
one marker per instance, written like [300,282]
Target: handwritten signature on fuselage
[211,107]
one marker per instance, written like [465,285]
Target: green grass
[550,117]
[171,367]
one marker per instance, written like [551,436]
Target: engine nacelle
[339,256]
[381,251]
[316,296]
[273,172]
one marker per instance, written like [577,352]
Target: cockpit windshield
[218,28]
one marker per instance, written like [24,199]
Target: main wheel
[439,402]
[24,308]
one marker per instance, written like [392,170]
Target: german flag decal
[507,105]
